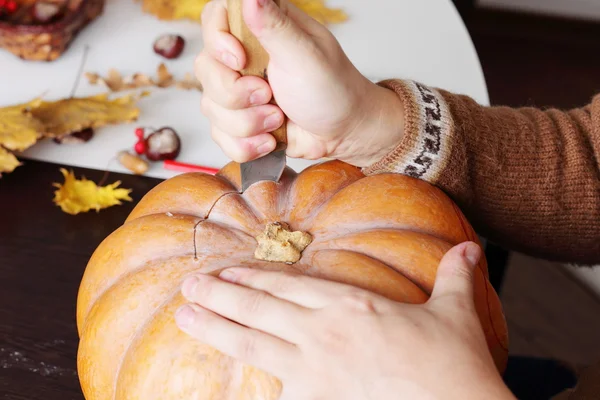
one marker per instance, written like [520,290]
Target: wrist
[380,128]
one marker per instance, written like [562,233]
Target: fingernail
[472,253]
[185,316]
[228,275]
[229,59]
[262,2]
[264,148]
[272,121]
[259,96]
[189,285]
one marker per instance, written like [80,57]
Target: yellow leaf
[19,130]
[192,9]
[70,115]
[76,196]
[8,162]
[319,11]
[189,9]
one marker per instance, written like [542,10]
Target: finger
[244,149]
[252,347]
[227,88]
[245,122]
[279,34]
[217,40]
[299,289]
[252,308]
[455,275]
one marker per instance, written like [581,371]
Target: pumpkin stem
[279,244]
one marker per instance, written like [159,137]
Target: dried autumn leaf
[8,161]
[192,9]
[76,196]
[189,82]
[70,115]
[165,78]
[138,80]
[114,80]
[19,129]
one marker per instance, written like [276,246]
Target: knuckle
[224,87]
[207,12]
[238,155]
[200,64]
[361,301]
[333,339]
[199,292]
[279,23]
[216,135]
[254,303]
[463,272]
[205,105]
[246,347]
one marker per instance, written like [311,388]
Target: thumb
[276,31]
[455,275]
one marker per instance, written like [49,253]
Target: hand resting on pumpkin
[333,111]
[326,340]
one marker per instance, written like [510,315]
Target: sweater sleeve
[527,179]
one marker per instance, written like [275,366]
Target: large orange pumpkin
[385,233]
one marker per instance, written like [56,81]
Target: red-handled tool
[183,167]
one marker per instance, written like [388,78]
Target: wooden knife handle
[257,59]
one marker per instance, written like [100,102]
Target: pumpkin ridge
[174,269]
[389,267]
[316,210]
[136,335]
[425,290]
[137,269]
[118,279]
[118,231]
[207,217]
[345,242]
[406,228]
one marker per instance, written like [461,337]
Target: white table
[423,40]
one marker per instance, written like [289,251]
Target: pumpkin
[385,233]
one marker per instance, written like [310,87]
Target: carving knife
[271,166]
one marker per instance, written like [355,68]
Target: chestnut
[163,144]
[76,137]
[169,46]
[44,12]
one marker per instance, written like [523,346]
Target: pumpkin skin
[385,233]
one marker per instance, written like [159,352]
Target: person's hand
[333,110]
[326,340]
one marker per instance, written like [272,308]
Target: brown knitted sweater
[527,179]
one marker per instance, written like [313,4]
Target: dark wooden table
[43,253]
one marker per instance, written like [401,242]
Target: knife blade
[271,166]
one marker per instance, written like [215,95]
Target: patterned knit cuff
[427,142]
